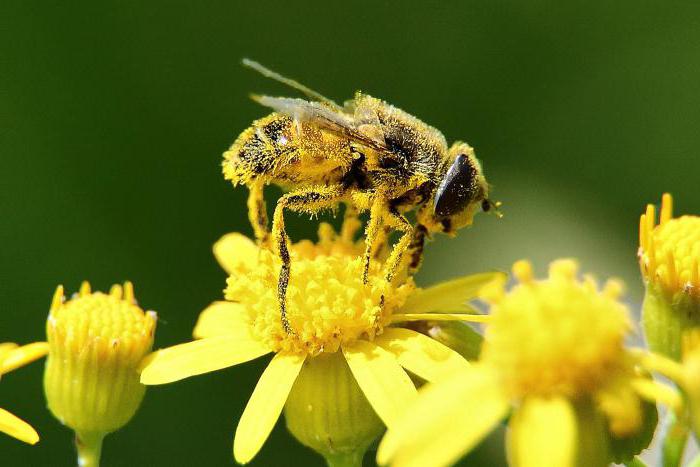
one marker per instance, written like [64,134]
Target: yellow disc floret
[559,336]
[669,252]
[327,302]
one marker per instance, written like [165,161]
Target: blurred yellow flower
[332,313]
[11,357]
[553,353]
[669,258]
[96,344]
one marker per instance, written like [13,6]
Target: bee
[366,154]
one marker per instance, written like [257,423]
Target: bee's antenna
[496,205]
[287,81]
[492,206]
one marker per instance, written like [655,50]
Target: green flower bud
[669,258]
[327,411]
[96,343]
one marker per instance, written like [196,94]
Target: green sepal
[666,317]
[458,336]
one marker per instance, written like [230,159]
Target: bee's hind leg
[415,248]
[257,213]
[308,200]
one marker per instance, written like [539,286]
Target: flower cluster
[359,353]
[357,335]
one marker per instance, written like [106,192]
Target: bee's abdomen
[260,150]
[278,150]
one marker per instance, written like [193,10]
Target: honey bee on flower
[344,372]
[368,154]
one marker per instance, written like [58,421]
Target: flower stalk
[89,448]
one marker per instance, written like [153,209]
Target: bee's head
[462,191]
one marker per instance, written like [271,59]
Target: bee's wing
[263,70]
[337,121]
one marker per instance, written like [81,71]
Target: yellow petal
[17,428]
[265,405]
[21,356]
[5,347]
[420,354]
[386,385]
[450,296]
[197,357]
[234,249]
[543,432]
[447,420]
[466,317]
[221,318]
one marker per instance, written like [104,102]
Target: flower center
[327,302]
[89,315]
[556,336]
[669,253]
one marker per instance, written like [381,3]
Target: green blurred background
[114,115]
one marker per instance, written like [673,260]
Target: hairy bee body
[367,154]
[276,150]
[296,154]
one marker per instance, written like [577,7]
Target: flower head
[336,318]
[330,307]
[13,356]
[558,336]
[669,252]
[669,258]
[96,344]
[553,352]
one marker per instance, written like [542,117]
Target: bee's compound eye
[457,189]
[486,205]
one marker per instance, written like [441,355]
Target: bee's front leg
[415,248]
[309,200]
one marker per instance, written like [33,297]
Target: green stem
[635,462]
[89,447]
[345,459]
[675,437]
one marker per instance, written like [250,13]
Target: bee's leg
[351,223]
[309,200]
[381,242]
[415,248]
[374,233]
[257,213]
[398,222]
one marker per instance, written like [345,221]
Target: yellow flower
[96,344]
[553,354]
[12,357]
[669,258]
[332,313]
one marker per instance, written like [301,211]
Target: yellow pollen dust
[113,317]
[669,252]
[558,336]
[327,302]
